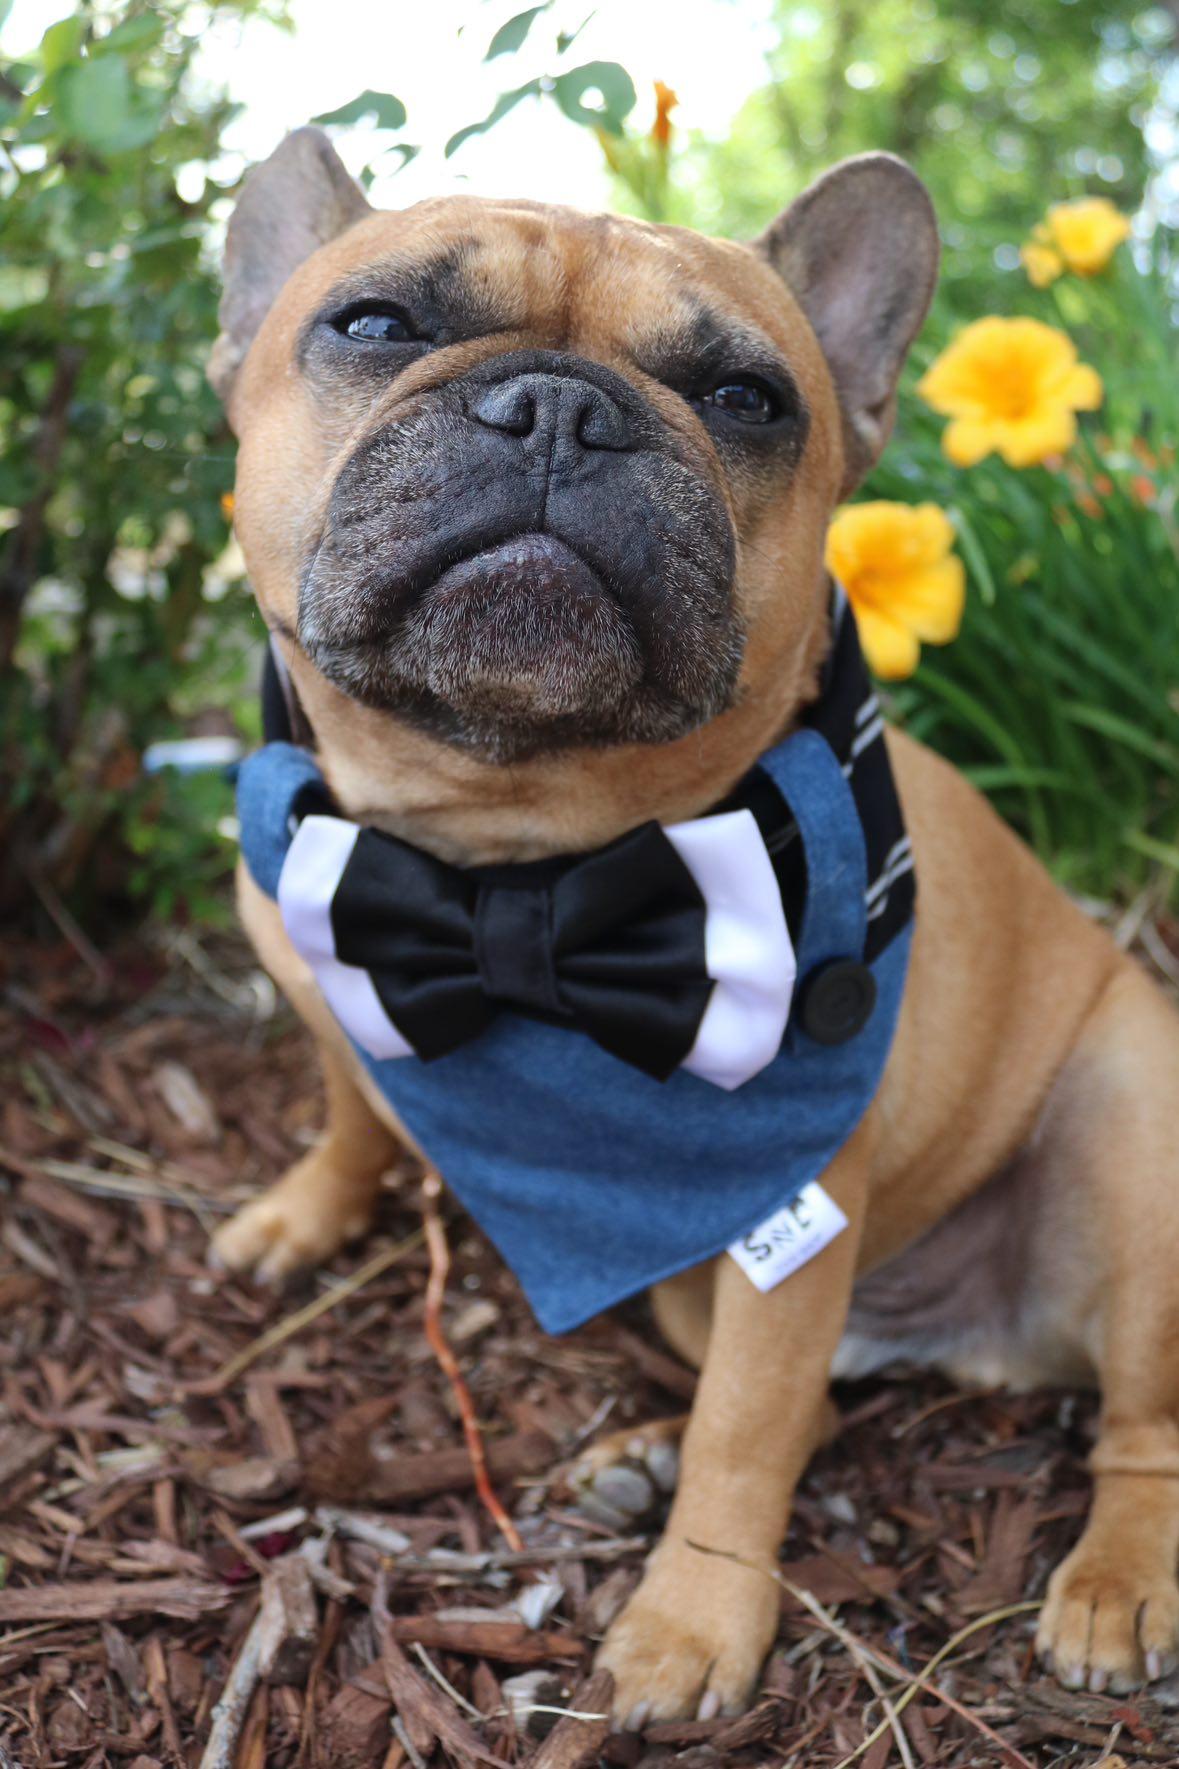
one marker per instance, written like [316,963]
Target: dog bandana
[622,1061]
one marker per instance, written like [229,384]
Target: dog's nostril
[600,424]
[509,407]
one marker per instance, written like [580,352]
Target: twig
[920,1681]
[454,1564]
[279,1640]
[69,928]
[229,1715]
[407,1744]
[435,1287]
[362,1528]
[851,1645]
[431,1669]
[914,1681]
[426,1714]
[302,1317]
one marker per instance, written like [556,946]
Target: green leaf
[95,103]
[504,103]
[131,37]
[566,39]
[1119,730]
[386,111]
[606,78]
[93,100]
[61,44]
[510,36]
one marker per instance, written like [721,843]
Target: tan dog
[1012,1193]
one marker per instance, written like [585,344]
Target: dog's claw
[1108,1626]
[638,1717]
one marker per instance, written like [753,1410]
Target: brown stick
[435,1287]
[508,1642]
[345,1469]
[99,1600]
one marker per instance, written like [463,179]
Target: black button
[837,1001]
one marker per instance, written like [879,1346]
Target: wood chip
[426,1713]
[291,1619]
[417,1477]
[111,1600]
[22,1451]
[503,1641]
[574,1742]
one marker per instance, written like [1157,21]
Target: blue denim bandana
[593,1178]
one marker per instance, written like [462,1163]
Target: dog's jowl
[589,861]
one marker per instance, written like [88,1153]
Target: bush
[1060,699]
[122,613]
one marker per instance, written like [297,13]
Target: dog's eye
[377,324]
[751,402]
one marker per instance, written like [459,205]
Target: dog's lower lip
[532,557]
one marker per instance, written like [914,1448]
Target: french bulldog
[534,505]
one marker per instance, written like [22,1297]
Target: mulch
[184,1503]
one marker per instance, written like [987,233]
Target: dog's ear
[294,202]
[859,250]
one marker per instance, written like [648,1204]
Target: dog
[534,505]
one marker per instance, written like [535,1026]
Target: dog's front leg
[694,1635]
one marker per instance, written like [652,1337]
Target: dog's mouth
[526,579]
[527,627]
[522,631]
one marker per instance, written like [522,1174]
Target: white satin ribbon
[747,947]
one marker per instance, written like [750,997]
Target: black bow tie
[611,942]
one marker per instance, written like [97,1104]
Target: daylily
[905,583]
[1013,386]
[1081,237]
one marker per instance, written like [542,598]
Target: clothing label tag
[789,1238]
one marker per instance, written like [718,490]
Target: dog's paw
[1108,1625]
[624,1480]
[692,1639]
[301,1221]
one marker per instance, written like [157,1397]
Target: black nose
[555,408]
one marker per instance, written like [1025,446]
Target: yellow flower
[1012,385]
[1042,263]
[902,578]
[227,505]
[1081,237]
[665,102]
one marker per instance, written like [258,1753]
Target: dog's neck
[471,812]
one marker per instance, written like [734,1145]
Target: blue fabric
[594,1180]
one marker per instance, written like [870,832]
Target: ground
[162,1463]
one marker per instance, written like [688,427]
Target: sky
[710,51]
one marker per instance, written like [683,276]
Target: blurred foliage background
[124,618]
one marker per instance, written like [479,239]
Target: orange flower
[227,505]
[665,102]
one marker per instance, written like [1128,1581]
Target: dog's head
[532,482]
